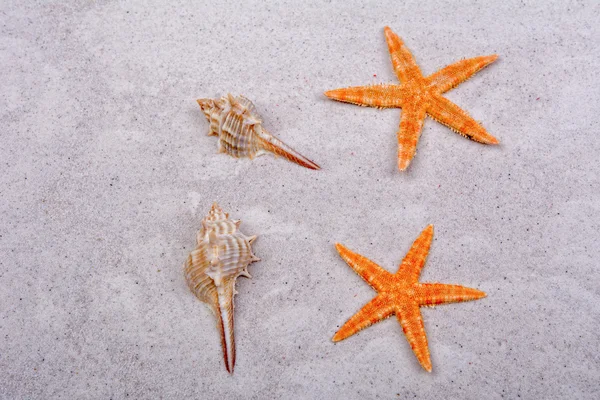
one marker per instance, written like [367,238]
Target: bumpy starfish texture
[402,294]
[417,96]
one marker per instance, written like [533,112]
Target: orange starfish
[417,96]
[402,294]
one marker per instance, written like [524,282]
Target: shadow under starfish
[417,96]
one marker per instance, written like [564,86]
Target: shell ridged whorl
[222,254]
[239,128]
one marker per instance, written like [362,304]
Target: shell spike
[277,147]
[232,100]
[246,274]
[206,105]
[252,238]
[225,325]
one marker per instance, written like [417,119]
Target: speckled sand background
[106,171]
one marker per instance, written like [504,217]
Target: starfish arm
[411,123]
[411,321]
[431,294]
[374,311]
[413,262]
[449,114]
[404,63]
[372,273]
[381,96]
[452,75]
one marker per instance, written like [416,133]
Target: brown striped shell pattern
[222,254]
[239,128]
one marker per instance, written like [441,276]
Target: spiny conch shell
[239,128]
[222,254]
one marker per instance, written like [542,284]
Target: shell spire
[239,128]
[222,254]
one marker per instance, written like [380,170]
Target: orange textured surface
[402,294]
[417,96]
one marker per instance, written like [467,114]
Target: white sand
[107,171]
